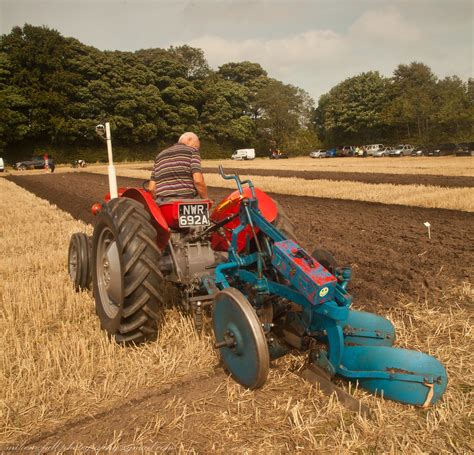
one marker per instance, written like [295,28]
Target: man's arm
[200,185]
[151,187]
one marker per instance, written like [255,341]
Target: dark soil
[364,177]
[386,245]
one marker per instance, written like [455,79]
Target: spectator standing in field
[46,162]
[177,171]
[52,165]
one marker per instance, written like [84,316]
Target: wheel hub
[73,264]
[106,273]
[109,272]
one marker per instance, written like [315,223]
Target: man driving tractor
[177,171]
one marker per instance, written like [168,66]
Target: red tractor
[137,245]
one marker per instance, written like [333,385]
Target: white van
[244,154]
[2,165]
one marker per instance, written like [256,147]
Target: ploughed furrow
[363,177]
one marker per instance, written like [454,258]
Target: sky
[313,44]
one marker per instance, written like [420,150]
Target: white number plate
[192,215]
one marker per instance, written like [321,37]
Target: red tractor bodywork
[231,205]
[165,217]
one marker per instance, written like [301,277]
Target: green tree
[353,110]
[282,111]
[13,106]
[194,61]
[413,93]
[223,112]
[454,116]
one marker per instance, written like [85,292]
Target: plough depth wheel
[240,337]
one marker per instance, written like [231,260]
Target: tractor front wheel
[128,285]
[79,267]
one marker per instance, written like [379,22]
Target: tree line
[54,90]
[412,106]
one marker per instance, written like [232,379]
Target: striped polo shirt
[173,171]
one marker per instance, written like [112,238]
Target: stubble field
[63,383]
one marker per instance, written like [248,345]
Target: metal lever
[237,180]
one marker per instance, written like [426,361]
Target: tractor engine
[186,261]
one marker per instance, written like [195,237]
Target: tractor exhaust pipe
[101,131]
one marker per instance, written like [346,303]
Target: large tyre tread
[139,303]
[143,303]
[138,280]
[133,260]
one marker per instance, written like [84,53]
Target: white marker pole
[428,225]
[111,168]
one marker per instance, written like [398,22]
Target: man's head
[190,139]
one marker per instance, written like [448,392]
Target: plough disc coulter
[241,266]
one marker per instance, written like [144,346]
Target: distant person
[177,171]
[52,165]
[46,162]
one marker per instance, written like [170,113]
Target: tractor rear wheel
[284,224]
[128,285]
[79,264]
[326,259]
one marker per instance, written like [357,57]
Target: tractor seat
[175,199]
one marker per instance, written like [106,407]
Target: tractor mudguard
[157,219]
[231,205]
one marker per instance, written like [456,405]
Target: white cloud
[275,53]
[375,40]
[386,24]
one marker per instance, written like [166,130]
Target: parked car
[360,151]
[318,154]
[331,153]
[2,165]
[465,149]
[402,150]
[374,148]
[442,150]
[346,150]
[382,152]
[244,154]
[421,150]
[36,162]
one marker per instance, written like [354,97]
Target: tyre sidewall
[74,244]
[111,325]
[84,256]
